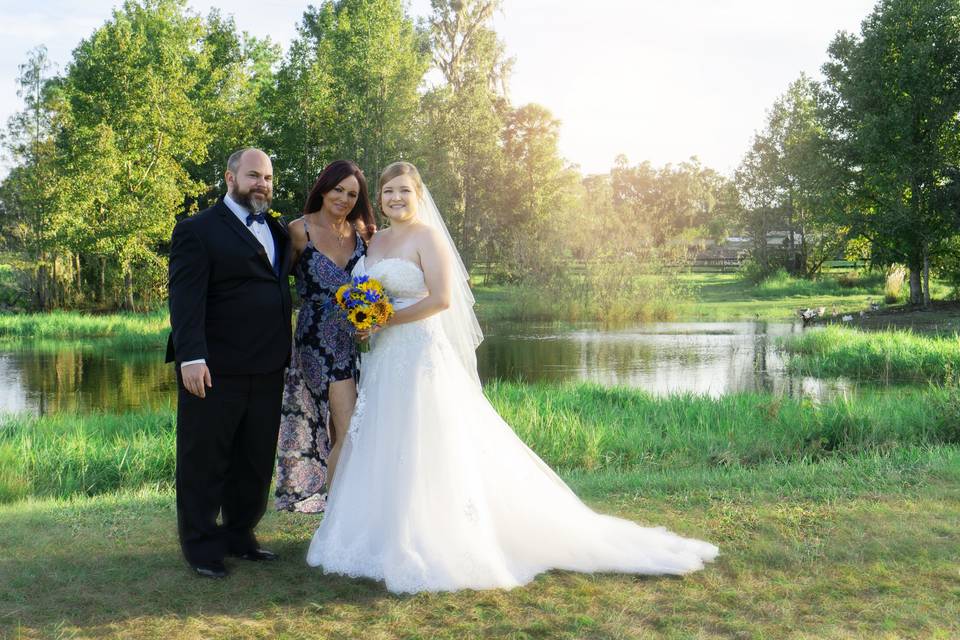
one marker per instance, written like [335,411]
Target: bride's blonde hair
[395,169]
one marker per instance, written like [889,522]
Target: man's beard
[247,202]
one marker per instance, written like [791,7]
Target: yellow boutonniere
[273,214]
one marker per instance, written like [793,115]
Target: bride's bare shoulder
[379,237]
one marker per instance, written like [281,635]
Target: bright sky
[655,80]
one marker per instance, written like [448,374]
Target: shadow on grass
[86,567]
[813,547]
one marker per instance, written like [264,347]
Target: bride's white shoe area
[434,491]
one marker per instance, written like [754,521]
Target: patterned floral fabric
[323,351]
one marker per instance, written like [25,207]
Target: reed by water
[575,428]
[883,356]
[62,329]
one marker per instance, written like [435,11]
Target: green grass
[574,428]
[66,455]
[587,427]
[712,296]
[867,547]
[891,355]
[58,330]
[727,296]
[524,303]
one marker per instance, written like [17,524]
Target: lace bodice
[401,278]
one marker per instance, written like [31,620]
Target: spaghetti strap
[306,229]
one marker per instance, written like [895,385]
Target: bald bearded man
[230,313]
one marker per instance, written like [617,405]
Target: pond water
[714,358]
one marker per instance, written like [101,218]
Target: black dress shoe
[257,555]
[214,570]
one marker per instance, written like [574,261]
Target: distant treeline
[135,131]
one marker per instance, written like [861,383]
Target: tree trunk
[792,263]
[102,290]
[466,248]
[128,288]
[42,300]
[56,296]
[926,279]
[916,284]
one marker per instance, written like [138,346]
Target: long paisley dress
[324,351]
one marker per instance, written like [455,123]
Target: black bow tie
[255,217]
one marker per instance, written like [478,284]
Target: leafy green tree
[540,192]
[301,115]
[667,202]
[890,103]
[348,89]
[28,191]
[461,124]
[132,128]
[788,186]
[234,73]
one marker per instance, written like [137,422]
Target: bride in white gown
[434,491]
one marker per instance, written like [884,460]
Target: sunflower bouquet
[365,304]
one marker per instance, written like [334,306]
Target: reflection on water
[82,381]
[713,358]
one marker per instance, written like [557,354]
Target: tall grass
[591,427]
[65,455]
[59,329]
[781,284]
[888,355]
[574,428]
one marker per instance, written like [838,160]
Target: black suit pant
[226,444]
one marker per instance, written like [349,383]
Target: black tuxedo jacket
[227,303]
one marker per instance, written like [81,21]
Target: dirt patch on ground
[943,316]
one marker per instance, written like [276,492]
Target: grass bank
[574,428]
[66,329]
[727,296]
[651,298]
[808,550]
[880,356]
[690,296]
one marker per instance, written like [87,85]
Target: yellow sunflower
[360,318]
[342,295]
[381,311]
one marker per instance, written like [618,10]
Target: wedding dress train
[435,492]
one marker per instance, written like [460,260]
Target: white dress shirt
[260,231]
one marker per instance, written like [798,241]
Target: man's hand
[196,379]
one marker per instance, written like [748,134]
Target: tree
[29,189]
[348,89]
[538,194]
[890,102]
[132,129]
[462,122]
[234,73]
[787,185]
[668,201]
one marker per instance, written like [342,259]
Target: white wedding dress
[434,491]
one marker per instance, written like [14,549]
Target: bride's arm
[435,262]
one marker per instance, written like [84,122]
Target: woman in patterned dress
[320,390]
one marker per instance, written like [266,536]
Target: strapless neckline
[367,266]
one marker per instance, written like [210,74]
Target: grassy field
[835,520]
[709,297]
[879,356]
[863,548]
[726,296]
[69,329]
[574,428]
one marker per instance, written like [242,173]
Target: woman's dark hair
[333,174]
